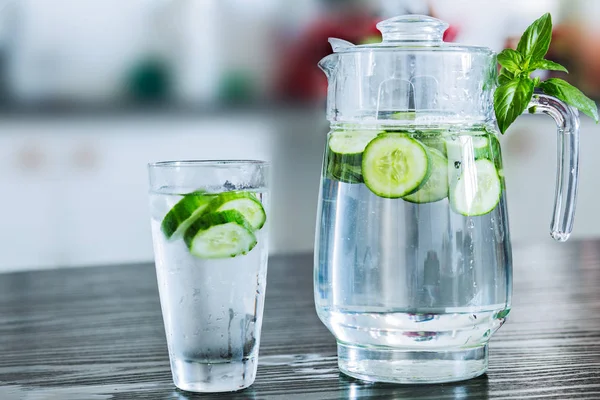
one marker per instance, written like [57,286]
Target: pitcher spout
[329,64]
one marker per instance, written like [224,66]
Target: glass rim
[207,163]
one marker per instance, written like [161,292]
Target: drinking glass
[210,244]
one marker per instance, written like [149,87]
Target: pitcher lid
[413,32]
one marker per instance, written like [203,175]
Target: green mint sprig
[516,86]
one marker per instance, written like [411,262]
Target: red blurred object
[451,33]
[299,78]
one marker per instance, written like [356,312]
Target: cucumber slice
[350,144]
[435,142]
[395,165]
[475,146]
[344,156]
[184,213]
[481,146]
[343,172]
[478,189]
[404,115]
[220,235]
[245,203]
[436,187]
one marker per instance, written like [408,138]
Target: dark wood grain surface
[97,333]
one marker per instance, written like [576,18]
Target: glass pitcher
[413,269]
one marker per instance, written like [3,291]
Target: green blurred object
[237,86]
[150,80]
[371,39]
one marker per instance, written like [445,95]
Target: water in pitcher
[427,271]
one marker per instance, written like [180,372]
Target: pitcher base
[409,366]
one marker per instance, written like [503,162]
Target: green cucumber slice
[474,146]
[478,190]
[344,155]
[436,187]
[220,235]
[404,115]
[245,203]
[343,172]
[350,143]
[481,146]
[184,213]
[395,165]
[435,142]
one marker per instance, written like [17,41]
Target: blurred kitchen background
[92,90]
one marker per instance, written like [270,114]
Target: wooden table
[97,333]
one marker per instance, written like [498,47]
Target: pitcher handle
[567,174]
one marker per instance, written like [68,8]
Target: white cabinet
[75,192]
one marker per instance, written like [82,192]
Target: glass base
[410,366]
[214,377]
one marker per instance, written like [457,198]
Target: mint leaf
[568,93]
[511,60]
[511,99]
[535,41]
[548,65]
[516,87]
[505,76]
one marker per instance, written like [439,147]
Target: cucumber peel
[184,213]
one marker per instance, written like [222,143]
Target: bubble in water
[471,223]
[457,164]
